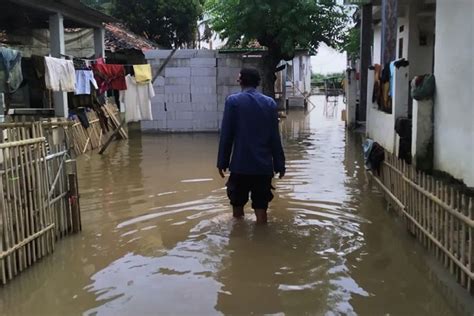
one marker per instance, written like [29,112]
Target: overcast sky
[328,60]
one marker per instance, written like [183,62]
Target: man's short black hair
[249,77]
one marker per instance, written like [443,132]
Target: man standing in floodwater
[250,134]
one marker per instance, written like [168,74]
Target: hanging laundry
[60,74]
[109,76]
[79,63]
[386,99]
[377,85]
[84,80]
[11,76]
[81,114]
[142,73]
[137,100]
[39,69]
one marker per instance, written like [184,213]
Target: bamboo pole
[6,215]
[21,206]
[41,198]
[451,228]
[470,255]
[462,240]
[49,237]
[18,209]
[22,142]
[446,226]
[29,178]
[438,219]
[440,201]
[26,197]
[3,274]
[12,239]
[413,220]
[27,240]
[74,203]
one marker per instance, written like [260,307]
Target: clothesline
[95,60]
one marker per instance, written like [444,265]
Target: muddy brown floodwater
[158,237]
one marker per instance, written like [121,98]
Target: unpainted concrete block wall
[186,92]
[192,89]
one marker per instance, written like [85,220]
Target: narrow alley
[158,236]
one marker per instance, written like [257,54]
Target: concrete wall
[186,92]
[79,43]
[454,107]
[192,89]
[377,49]
[299,76]
[380,126]
[420,54]
[351,97]
[402,34]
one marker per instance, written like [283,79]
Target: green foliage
[280,25]
[351,43]
[101,5]
[318,79]
[170,23]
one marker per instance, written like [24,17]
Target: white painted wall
[420,56]
[454,105]
[300,76]
[351,96]
[403,22]
[380,125]
[377,48]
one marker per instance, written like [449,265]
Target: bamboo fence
[87,139]
[38,193]
[437,214]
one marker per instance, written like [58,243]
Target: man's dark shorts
[259,186]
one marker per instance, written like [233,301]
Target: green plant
[282,26]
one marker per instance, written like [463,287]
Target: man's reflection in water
[249,273]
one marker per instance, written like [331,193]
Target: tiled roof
[118,37]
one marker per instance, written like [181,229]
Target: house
[25,16]
[293,78]
[435,37]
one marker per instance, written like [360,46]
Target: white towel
[60,74]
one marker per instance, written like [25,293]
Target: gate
[38,193]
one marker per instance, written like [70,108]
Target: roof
[253,50]
[118,37]
[35,14]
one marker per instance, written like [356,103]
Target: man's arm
[226,138]
[277,148]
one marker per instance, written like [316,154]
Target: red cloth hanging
[109,76]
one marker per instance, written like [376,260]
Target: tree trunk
[270,63]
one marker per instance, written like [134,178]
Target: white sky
[328,60]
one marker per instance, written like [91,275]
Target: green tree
[351,43]
[101,5]
[281,26]
[170,23]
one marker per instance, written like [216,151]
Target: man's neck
[247,89]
